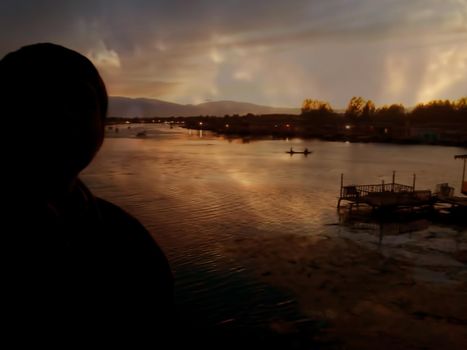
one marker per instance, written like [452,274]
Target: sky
[268,52]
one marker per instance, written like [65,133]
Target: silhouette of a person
[76,264]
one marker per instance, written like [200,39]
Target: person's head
[54,105]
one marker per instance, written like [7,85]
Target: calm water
[199,195]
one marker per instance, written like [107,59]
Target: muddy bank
[360,298]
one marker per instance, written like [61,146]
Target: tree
[310,106]
[461,104]
[435,111]
[368,109]
[394,111]
[355,107]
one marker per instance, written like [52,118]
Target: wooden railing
[359,191]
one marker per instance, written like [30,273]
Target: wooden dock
[455,202]
[384,195]
[392,197]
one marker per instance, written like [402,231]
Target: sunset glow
[272,53]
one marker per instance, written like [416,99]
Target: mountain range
[151,108]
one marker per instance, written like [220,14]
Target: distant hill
[147,108]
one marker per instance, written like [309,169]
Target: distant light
[287,125]
[347,127]
[226,125]
[275,126]
[200,123]
[385,130]
[153,121]
[127,122]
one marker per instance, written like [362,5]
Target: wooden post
[382,185]
[340,194]
[393,180]
[463,176]
[342,183]
[413,184]
[463,185]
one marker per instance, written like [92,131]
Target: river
[211,202]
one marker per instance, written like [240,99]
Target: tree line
[359,109]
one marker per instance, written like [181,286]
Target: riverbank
[364,299]
[331,128]
[335,128]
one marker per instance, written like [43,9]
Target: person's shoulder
[138,260]
[124,229]
[122,225]
[126,233]
[115,215]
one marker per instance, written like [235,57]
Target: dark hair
[57,98]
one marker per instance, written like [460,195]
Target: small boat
[141,134]
[305,152]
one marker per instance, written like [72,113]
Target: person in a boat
[76,265]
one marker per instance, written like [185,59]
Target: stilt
[464,182]
[463,176]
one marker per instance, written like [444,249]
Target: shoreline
[335,139]
[333,128]
[284,136]
[362,297]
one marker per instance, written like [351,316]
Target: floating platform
[384,195]
[389,198]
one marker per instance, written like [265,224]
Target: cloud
[242,75]
[104,58]
[260,51]
[445,70]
